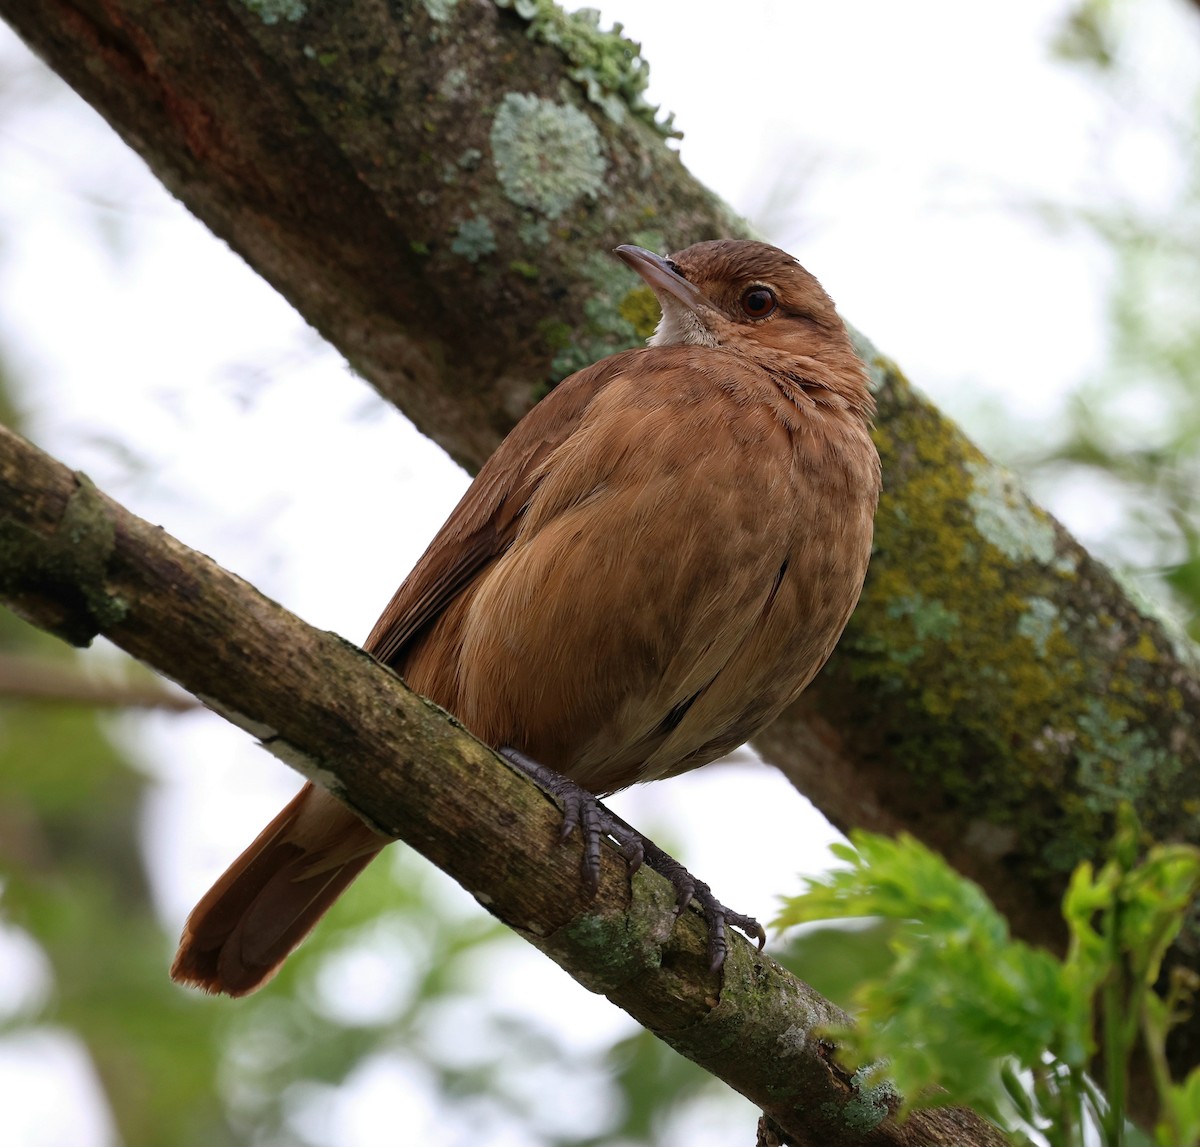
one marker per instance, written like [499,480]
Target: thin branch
[24,678]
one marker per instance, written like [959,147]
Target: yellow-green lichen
[609,67]
[931,657]
[272,11]
[548,156]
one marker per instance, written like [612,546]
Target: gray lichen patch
[1038,622]
[474,240]
[548,156]
[794,1040]
[439,10]
[872,1102]
[272,11]
[1005,517]
[1119,761]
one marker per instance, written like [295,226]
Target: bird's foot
[583,810]
[688,888]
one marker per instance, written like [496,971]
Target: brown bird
[653,564]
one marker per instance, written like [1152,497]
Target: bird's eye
[758,302]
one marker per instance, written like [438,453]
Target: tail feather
[273,894]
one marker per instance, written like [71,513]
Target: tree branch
[394,168]
[24,678]
[78,564]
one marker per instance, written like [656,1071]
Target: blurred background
[1005,198]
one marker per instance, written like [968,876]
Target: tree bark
[74,562]
[435,187]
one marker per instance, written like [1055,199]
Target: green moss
[547,155]
[72,565]
[609,67]
[1016,695]
[474,240]
[525,270]
[272,11]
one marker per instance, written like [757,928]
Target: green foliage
[965,1014]
[835,958]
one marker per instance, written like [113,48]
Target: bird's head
[753,299]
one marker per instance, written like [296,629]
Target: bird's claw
[716,915]
[583,810]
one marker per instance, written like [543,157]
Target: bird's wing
[485,521]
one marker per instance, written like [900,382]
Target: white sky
[919,128]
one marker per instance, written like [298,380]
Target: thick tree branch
[76,563]
[395,168]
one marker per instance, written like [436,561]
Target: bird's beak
[662,279]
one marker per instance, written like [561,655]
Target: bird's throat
[680,326]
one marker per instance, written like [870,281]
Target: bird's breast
[684,566]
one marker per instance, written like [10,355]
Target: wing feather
[483,524]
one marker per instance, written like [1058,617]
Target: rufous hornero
[651,566]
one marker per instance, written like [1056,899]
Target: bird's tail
[271,896]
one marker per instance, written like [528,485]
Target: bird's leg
[583,810]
